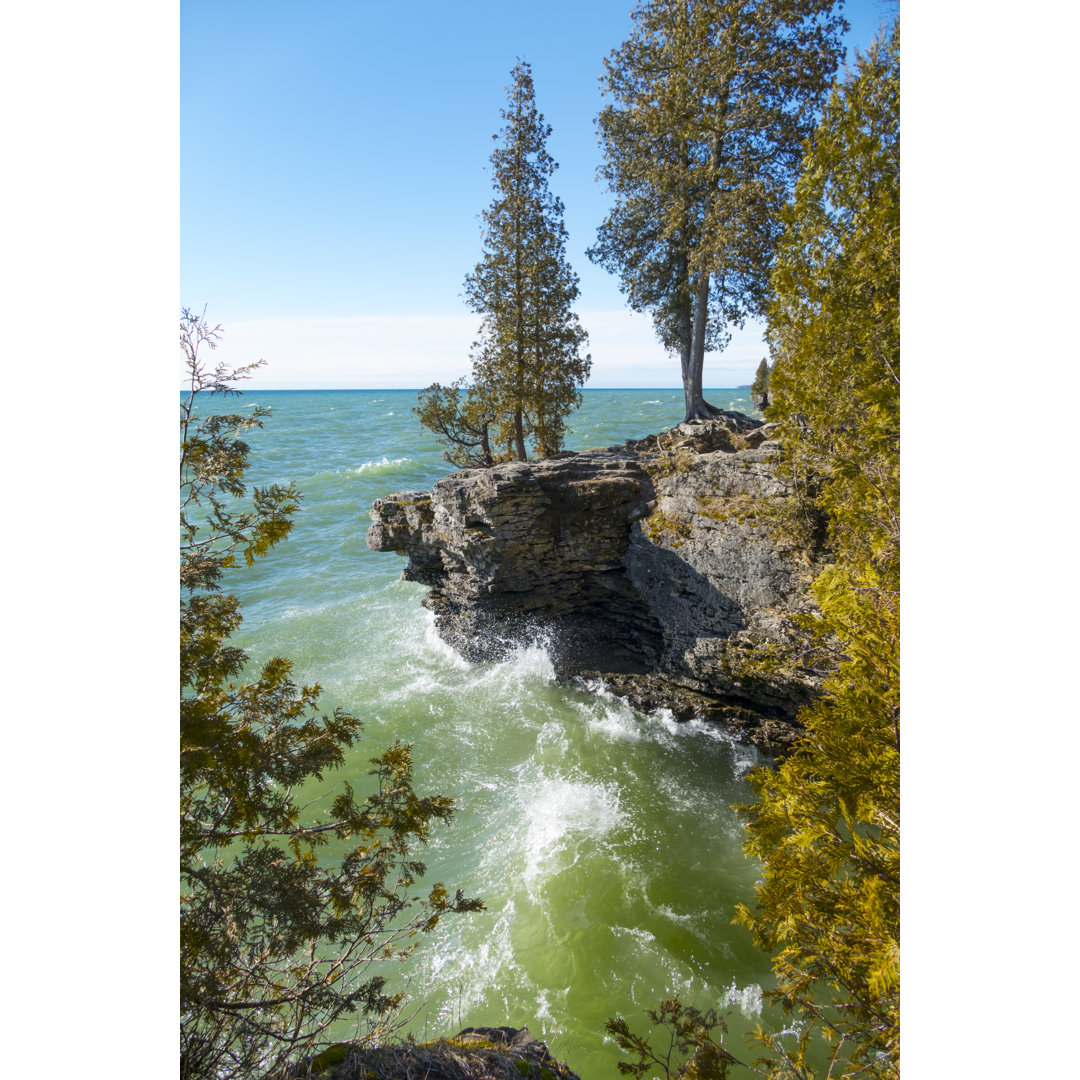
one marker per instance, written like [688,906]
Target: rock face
[502,1053]
[648,564]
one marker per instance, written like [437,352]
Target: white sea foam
[642,936]
[744,757]
[446,654]
[533,661]
[615,720]
[559,814]
[385,464]
[525,664]
[467,971]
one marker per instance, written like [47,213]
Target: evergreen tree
[709,102]
[275,943]
[827,822]
[759,389]
[462,418]
[528,356]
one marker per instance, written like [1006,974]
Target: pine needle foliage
[681,1046]
[827,823]
[708,103]
[760,385]
[276,943]
[463,419]
[528,366]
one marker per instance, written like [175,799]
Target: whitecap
[384,464]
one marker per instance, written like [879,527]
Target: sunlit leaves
[827,823]
[707,105]
[277,941]
[684,1046]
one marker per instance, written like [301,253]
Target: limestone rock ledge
[649,565]
[502,1053]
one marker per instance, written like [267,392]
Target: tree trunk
[697,408]
[519,435]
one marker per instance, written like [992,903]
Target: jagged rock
[502,1053]
[652,560]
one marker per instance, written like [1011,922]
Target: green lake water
[601,840]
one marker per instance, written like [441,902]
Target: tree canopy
[827,823]
[276,943]
[708,105]
[527,361]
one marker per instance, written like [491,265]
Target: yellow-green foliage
[826,825]
[687,1049]
[661,527]
[760,384]
[275,943]
[669,460]
[462,418]
[745,509]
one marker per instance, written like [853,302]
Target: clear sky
[334,163]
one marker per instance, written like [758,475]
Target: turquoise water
[601,840]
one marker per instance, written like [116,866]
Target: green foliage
[660,526]
[691,1051]
[708,107]
[463,424]
[835,322]
[276,943]
[827,821]
[760,384]
[527,362]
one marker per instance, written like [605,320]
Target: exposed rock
[502,1053]
[649,564]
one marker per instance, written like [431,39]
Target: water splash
[560,815]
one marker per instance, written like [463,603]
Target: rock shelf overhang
[651,565]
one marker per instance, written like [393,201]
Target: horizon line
[417,389]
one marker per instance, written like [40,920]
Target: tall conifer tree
[827,824]
[528,355]
[709,102]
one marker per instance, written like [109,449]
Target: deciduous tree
[276,943]
[709,102]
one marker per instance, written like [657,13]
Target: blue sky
[334,165]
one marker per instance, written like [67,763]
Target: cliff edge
[649,565]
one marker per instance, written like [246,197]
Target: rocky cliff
[649,565]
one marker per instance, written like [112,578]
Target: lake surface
[602,840]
